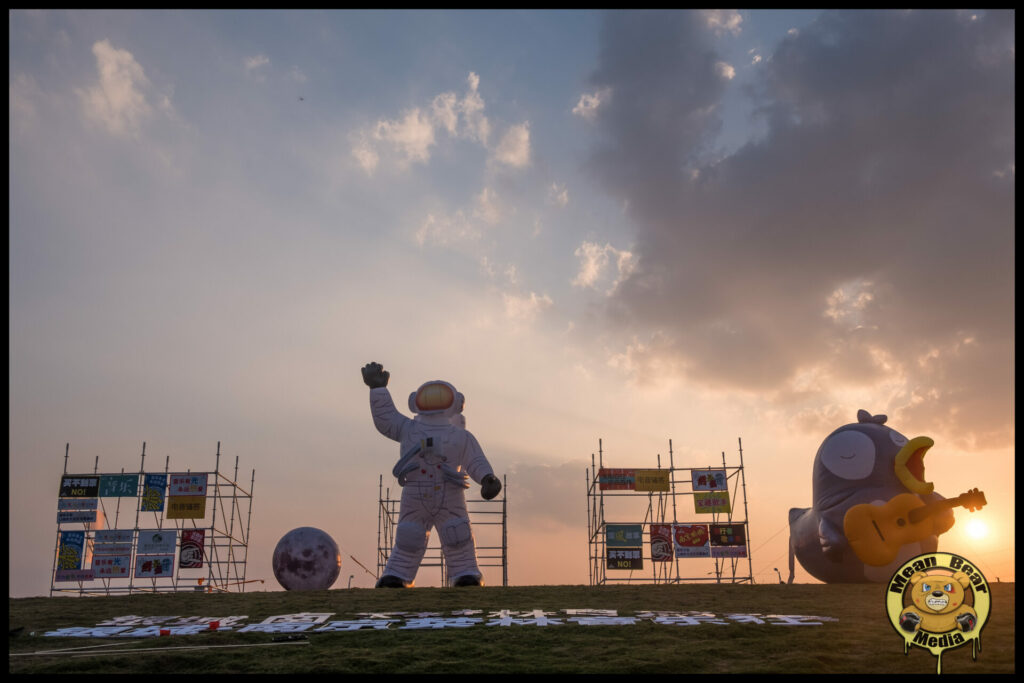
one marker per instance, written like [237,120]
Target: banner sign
[708,480]
[75,516]
[652,480]
[728,540]
[114,536]
[156,541]
[119,485]
[661,542]
[71,550]
[154,566]
[153,493]
[111,566]
[188,484]
[691,540]
[191,555]
[78,503]
[79,486]
[74,575]
[711,502]
[624,535]
[186,507]
[625,558]
[616,479]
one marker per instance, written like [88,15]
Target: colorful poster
[616,479]
[691,540]
[156,542]
[186,507]
[728,540]
[153,493]
[625,558]
[119,485]
[661,542]
[191,555]
[111,566]
[154,566]
[652,480]
[71,550]
[188,484]
[705,502]
[708,480]
[79,486]
[624,535]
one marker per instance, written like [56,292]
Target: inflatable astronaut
[437,458]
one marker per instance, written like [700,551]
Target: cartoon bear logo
[939,603]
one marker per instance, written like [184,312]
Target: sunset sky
[626,226]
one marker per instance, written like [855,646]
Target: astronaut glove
[375,376]
[490,487]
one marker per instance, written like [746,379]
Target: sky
[632,227]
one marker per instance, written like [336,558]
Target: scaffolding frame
[657,512]
[481,513]
[225,542]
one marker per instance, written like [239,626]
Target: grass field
[859,641]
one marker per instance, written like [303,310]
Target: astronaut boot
[392,581]
[468,580]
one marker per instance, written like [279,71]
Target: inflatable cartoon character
[877,475]
[938,603]
[437,458]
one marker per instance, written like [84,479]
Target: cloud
[463,227]
[723,21]
[117,101]
[865,230]
[525,308]
[589,103]
[558,195]
[412,136]
[514,148]
[594,261]
[725,70]
[256,61]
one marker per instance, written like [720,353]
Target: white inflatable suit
[437,457]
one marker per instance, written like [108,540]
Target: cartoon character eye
[848,454]
[948,588]
[897,438]
[926,588]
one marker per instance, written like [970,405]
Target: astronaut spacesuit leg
[411,537]
[457,542]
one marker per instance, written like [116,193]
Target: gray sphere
[306,559]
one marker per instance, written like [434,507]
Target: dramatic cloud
[117,102]
[588,103]
[594,260]
[866,239]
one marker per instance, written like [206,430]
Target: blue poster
[72,550]
[118,485]
[153,493]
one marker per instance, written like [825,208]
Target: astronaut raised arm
[386,417]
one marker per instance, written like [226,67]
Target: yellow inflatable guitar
[876,532]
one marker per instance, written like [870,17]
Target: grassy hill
[859,641]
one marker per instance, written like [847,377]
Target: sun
[977,529]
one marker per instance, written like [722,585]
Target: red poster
[661,542]
[191,555]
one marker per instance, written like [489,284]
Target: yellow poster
[652,480]
[711,501]
[186,507]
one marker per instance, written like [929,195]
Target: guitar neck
[918,514]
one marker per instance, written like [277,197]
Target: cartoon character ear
[865,416]
[918,578]
[962,579]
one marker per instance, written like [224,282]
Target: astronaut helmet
[436,397]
